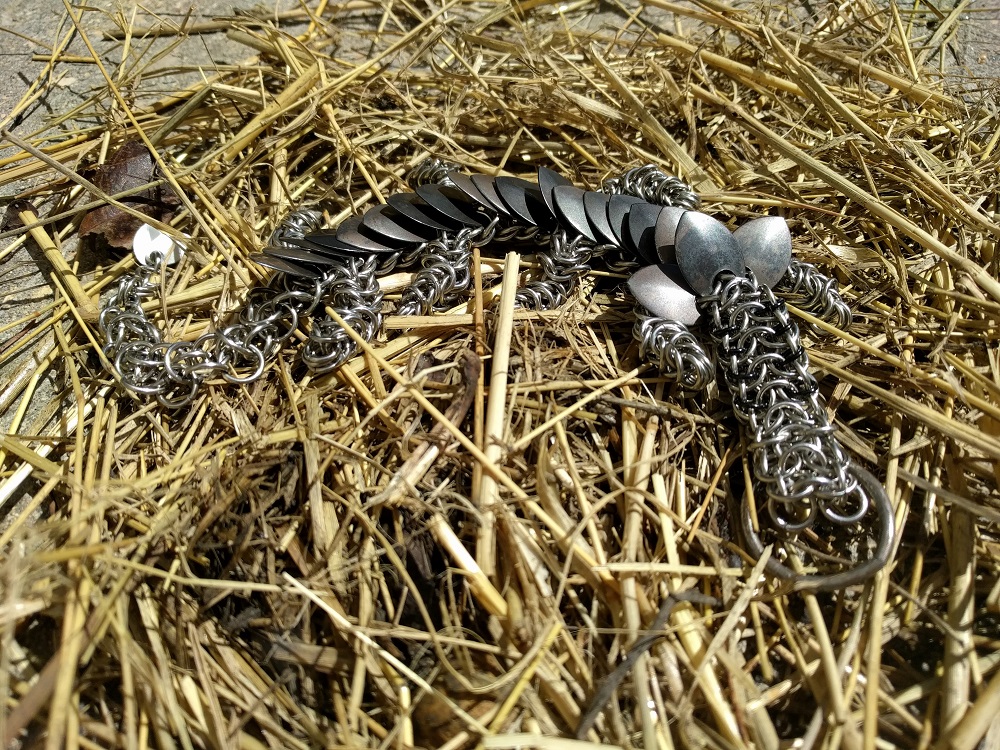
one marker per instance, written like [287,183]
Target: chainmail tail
[674,349]
[805,472]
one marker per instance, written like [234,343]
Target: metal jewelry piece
[691,268]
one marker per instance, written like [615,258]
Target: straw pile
[365,559]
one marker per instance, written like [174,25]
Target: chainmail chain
[561,268]
[431,171]
[349,286]
[354,294]
[296,226]
[173,373]
[803,285]
[675,350]
[796,456]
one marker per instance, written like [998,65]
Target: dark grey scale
[299,255]
[666,233]
[569,209]
[280,264]
[464,183]
[452,203]
[386,221]
[487,186]
[547,182]
[640,230]
[326,242]
[353,232]
[618,208]
[413,206]
[524,199]
[596,206]
[705,249]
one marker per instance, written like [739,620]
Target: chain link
[446,270]
[352,291]
[796,456]
[653,185]
[560,269]
[174,373]
[296,226]
[431,171]
[805,286]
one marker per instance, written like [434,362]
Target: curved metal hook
[858,574]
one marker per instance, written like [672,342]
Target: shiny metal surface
[618,208]
[326,243]
[659,289]
[705,249]
[665,235]
[804,286]
[450,203]
[277,263]
[445,271]
[297,254]
[807,479]
[806,473]
[381,221]
[524,199]
[465,183]
[548,181]
[284,242]
[350,233]
[413,206]
[431,171]
[173,373]
[675,350]
[871,493]
[653,185]
[640,230]
[487,186]
[566,261]
[596,207]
